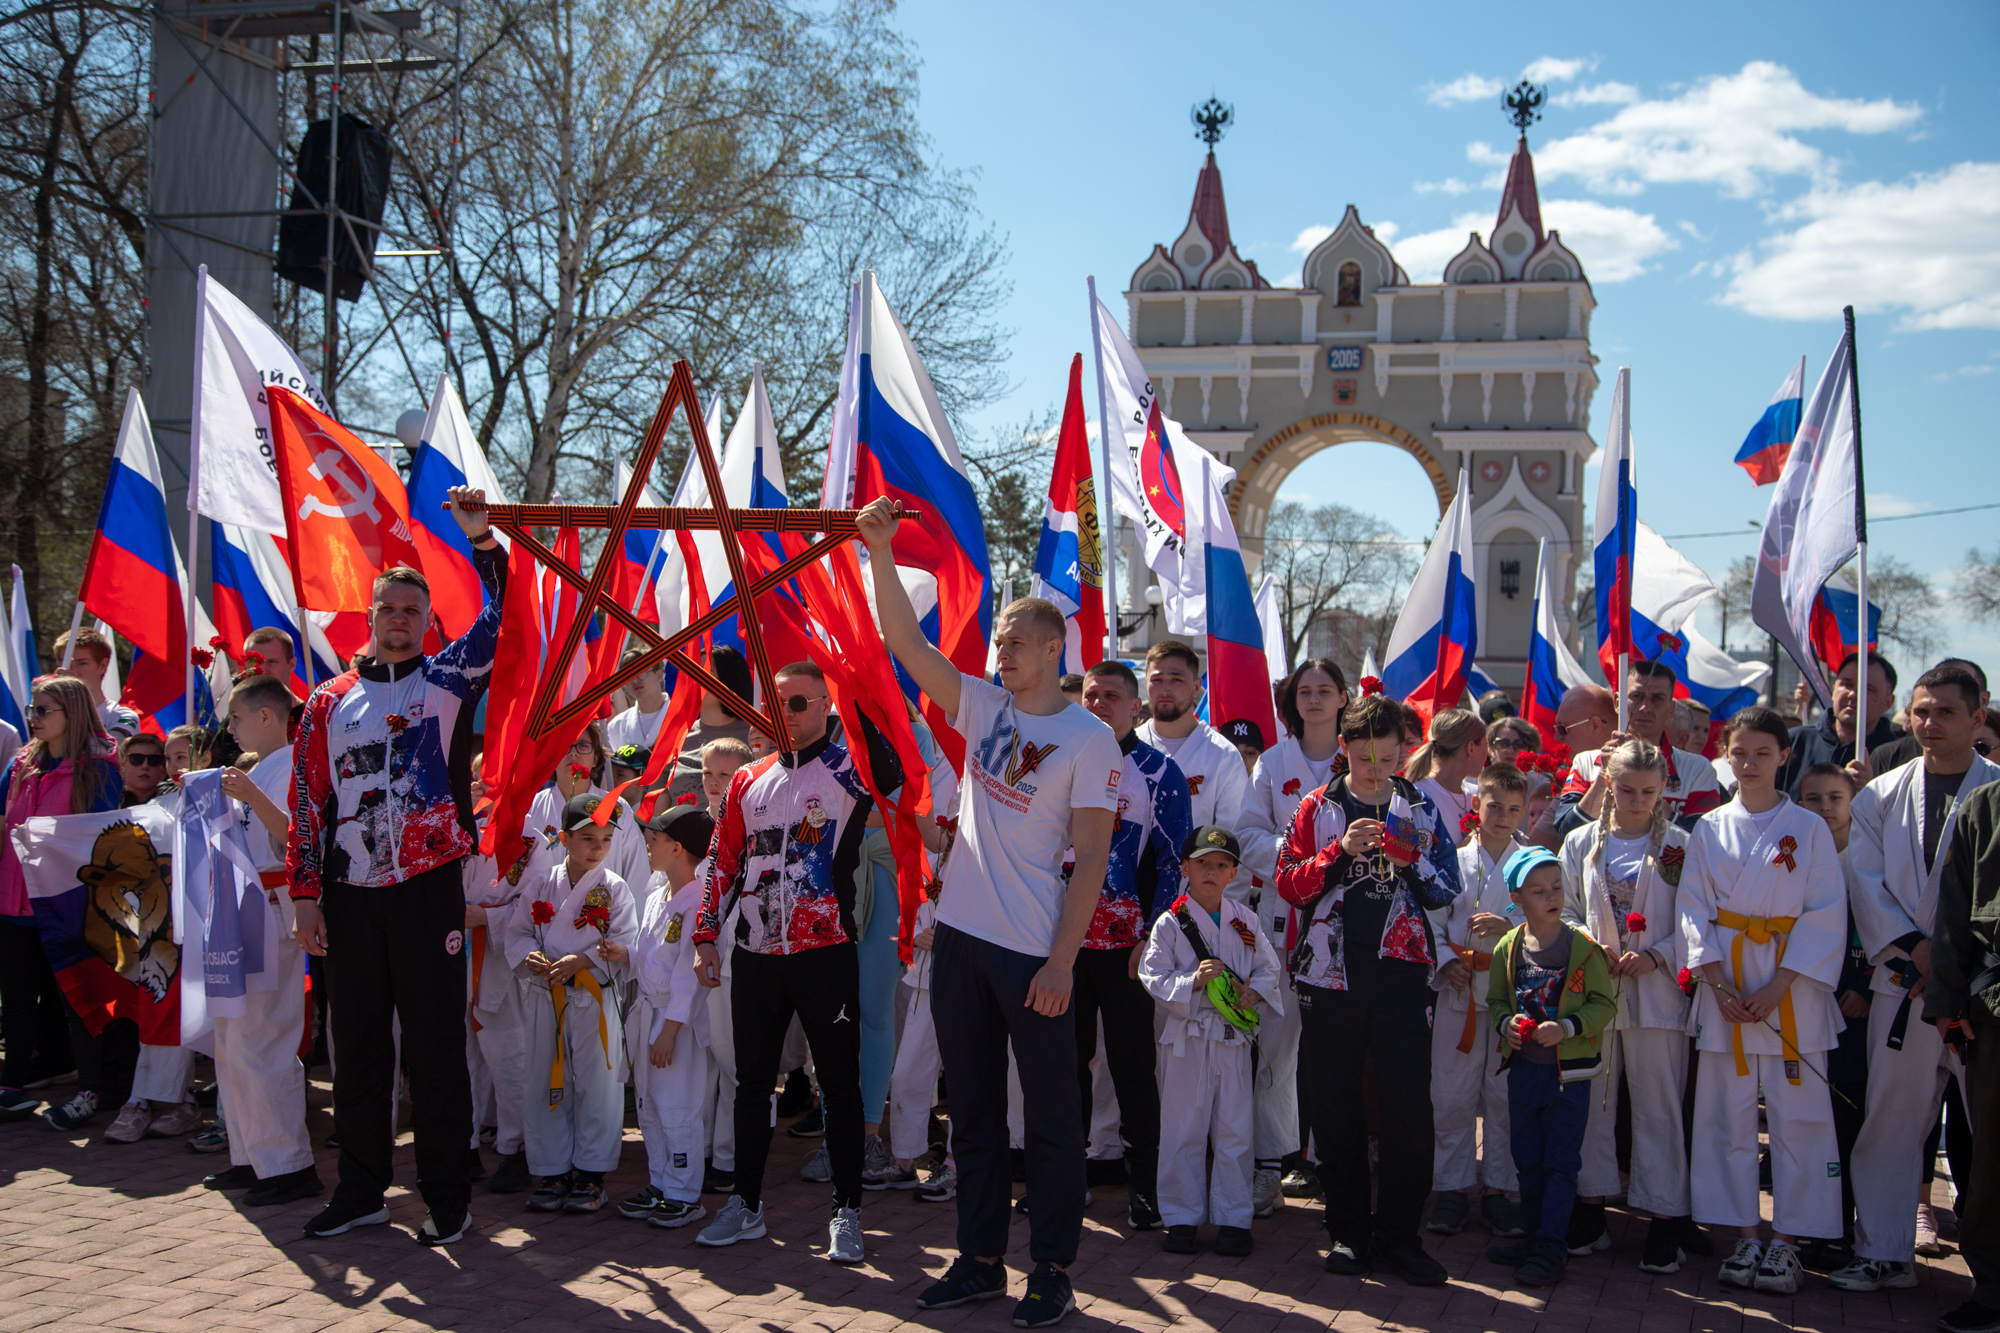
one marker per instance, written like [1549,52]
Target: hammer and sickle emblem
[330,468]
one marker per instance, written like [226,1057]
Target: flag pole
[1862,668]
[194,488]
[69,643]
[1109,532]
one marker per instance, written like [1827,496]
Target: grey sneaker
[1873,1275]
[880,1170]
[1267,1194]
[73,1114]
[940,1186]
[818,1166]
[843,1237]
[737,1221]
[1781,1271]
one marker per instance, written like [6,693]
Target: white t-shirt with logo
[1024,774]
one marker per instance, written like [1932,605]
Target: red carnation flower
[600,917]
[1291,787]
[396,722]
[202,658]
[687,798]
[1370,685]
[217,642]
[1635,923]
[542,913]
[579,771]
[1685,981]
[1524,1027]
[1469,822]
[253,659]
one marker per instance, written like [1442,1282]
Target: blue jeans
[881,973]
[1548,1118]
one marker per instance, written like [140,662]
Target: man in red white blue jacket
[381,819]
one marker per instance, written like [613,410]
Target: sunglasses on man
[798,703]
[138,760]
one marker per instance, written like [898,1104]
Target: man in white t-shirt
[1041,775]
[262,1083]
[1218,780]
[640,724]
[89,663]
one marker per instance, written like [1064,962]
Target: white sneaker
[1266,1193]
[735,1222]
[1928,1244]
[1740,1268]
[843,1237]
[1873,1275]
[818,1167]
[1781,1271]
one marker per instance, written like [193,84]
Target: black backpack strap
[1202,953]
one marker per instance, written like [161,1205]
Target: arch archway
[1265,470]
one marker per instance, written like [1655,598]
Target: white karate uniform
[913,1082]
[257,1056]
[1205,1065]
[1735,864]
[1218,784]
[626,859]
[671,1100]
[1283,778]
[1648,1038]
[718,1116]
[496,1035]
[1895,895]
[580,1126]
[1466,1085]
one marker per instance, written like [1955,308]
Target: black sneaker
[586,1195]
[1345,1260]
[1694,1240]
[1542,1269]
[434,1233]
[290,1187]
[511,1177]
[1301,1182]
[1234,1242]
[18,1104]
[1971,1317]
[797,1095]
[475,1165]
[1501,1215]
[342,1216]
[641,1205]
[1448,1214]
[235,1178]
[717,1182]
[1049,1298]
[551,1194]
[1588,1230]
[1511,1254]
[967,1279]
[1180,1240]
[1663,1253]
[808,1126]
[1412,1263]
[1142,1211]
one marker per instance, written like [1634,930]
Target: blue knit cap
[1521,862]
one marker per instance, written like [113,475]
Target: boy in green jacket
[1550,996]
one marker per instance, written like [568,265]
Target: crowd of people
[1428,972]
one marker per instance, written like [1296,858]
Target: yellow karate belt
[560,994]
[1478,962]
[1762,930]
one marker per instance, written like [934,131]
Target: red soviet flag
[346,514]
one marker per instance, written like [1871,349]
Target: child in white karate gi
[1466,1082]
[720,758]
[1763,917]
[496,1029]
[668,1032]
[557,939]
[1205,1055]
[1621,878]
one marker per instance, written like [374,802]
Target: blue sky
[1730,176]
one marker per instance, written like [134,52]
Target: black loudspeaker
[362,184]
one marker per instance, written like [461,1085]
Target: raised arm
[931,669]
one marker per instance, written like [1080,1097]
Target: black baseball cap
[687,824]
[1212,838]
[578,811]
[1242,731]
[634,757]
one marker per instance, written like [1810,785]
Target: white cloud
[1732,131]
[1449,185]
[1465,88]
[1614,243]
[1552,69]
[1923,247]
[1425,254]
[1598,94]
[1308,237]
[1963,372]
[1883,504]
[1486,155]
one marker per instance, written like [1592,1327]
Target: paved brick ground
[96,1235]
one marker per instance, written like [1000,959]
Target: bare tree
[1734,604]
[1979,585]
[1332,557]
[1909,604]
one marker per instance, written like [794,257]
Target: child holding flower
[571,936]
[1620,877]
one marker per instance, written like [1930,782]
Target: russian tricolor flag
[135,581]
[890,437]
[1836,626]
[1769,442]
[449,455]
[1617,527]
[1437,634]
[1716,680]
[1239,672]
[1069,569]
[1551,669]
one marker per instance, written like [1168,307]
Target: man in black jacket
[1831,739]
